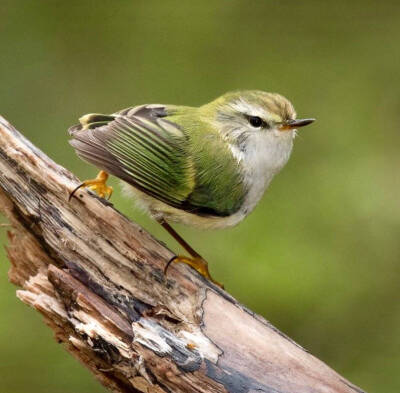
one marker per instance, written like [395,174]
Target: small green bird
[204,166]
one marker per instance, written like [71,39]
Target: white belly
[263,158]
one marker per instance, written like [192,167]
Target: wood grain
[97,278]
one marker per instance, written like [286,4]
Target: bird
[205,166]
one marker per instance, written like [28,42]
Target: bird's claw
[98,185]
[100,188]
[197,263]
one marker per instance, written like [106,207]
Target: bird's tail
[90,121]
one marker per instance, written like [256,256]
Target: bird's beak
[292,124]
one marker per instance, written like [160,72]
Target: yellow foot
[199,264]
[97,185]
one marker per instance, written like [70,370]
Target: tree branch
[98,280]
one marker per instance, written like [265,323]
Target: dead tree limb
[98,280]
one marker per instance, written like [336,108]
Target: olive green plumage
[207,166]
[164,153]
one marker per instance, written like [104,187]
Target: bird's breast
[261,159]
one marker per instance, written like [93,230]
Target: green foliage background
[319,257]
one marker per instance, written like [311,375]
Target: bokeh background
[320,255]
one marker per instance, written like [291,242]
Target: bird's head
[254,114]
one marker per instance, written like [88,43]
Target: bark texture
[97,279]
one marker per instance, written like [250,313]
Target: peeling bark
[97,279]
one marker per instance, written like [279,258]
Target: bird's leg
[196,262]
[98,185]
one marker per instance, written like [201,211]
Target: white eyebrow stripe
[243,106]
[254,110]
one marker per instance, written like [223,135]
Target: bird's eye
[255,121]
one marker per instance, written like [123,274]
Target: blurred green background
[320,255]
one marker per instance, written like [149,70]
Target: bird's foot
[197,263]
[97,185]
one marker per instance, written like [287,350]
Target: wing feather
[144,147]
[135,147]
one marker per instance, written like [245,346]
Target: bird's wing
[141,147]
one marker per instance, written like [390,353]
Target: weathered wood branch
[98,280]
